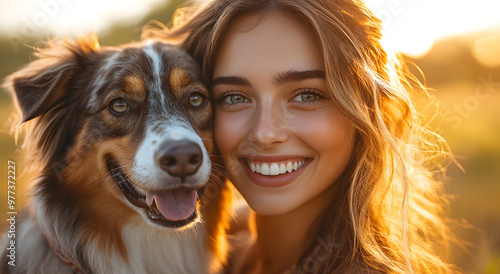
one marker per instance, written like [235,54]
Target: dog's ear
[43,83]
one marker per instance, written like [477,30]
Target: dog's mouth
[173,208]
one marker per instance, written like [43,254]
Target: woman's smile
[274,171]
[274,168]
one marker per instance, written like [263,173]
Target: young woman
[317,131]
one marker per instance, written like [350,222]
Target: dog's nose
[180,158]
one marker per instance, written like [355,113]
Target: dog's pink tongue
[175,204]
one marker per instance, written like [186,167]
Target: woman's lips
[274,173]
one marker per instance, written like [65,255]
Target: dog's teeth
[289,167]
[252,167]
[152,205]
[295,166]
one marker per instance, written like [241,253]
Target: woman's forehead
[273,41]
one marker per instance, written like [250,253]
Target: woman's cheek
[325,130]
[227,131]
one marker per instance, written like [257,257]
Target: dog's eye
[196,99]
[119,105]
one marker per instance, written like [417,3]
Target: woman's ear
[41,85]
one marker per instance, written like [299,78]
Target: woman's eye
[306,97]
[119,105]
[235,99]
[196,99]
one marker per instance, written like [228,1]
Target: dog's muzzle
[170,207]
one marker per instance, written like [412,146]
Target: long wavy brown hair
[389,213]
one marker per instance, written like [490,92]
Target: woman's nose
[269,126]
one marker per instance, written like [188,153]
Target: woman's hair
[388,213]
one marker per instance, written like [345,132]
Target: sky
[410,26]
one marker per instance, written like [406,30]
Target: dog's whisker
[217,165]
[218,173]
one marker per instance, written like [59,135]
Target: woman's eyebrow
[280,78]
[294,76]
[237,80]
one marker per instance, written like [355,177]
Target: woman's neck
[282,239]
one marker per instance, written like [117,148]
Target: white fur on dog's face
[146,172]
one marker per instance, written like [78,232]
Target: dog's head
[129,124]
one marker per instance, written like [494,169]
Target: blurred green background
[465,79]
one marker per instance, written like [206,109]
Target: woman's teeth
[274,168]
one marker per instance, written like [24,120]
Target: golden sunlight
[412,26]
[486,50]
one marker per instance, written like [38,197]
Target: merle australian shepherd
[121,147]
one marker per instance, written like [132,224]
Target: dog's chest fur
[181,253]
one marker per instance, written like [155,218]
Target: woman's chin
[276,202]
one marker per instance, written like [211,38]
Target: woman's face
[283,141]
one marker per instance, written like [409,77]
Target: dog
[122,156]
